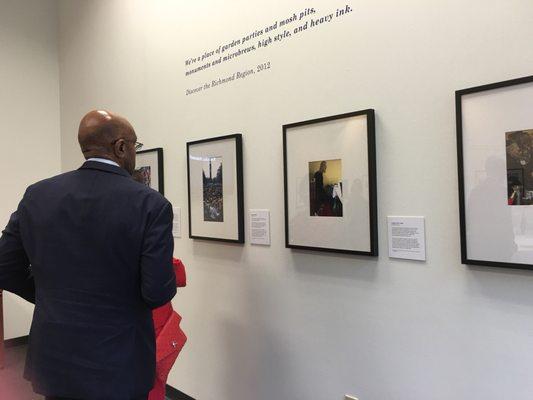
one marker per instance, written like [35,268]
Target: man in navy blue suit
[92,249]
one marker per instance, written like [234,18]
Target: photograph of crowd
[519,147]
[325,188]
[213,198]
[143,175]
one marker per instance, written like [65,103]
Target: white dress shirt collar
[103,160]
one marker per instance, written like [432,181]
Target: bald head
[106,135]
[100,128]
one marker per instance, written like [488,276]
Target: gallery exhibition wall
[29,116]
[266,322]
[269,322]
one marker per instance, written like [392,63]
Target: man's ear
[120,148]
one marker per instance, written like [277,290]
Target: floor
[12,385]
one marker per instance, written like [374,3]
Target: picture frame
[149,169]
[216,189]
[494,126]
[330,188]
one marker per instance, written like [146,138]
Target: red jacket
[170,339]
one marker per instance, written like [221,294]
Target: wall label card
[407,238]
[176,222]
[260,227]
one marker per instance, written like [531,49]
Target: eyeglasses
[138,145]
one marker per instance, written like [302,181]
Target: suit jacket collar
[105,167]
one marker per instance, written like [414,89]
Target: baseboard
[175,394]
[15,342]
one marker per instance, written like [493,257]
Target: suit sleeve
[158,281]
[15,273]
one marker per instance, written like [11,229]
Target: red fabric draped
[170,339]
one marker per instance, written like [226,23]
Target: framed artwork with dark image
[495,135]
[215,189]
[330,184]
[149,169]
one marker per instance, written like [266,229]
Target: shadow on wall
[504,284]
[253,352]
[340,266]
[227,253]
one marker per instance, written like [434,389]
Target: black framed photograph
[495,165]
[330,184]
[215,189]
[149,169]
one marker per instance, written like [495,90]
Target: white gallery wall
[270,323]
[29,116]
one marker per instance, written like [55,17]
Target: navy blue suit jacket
[93,249]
